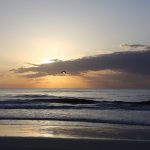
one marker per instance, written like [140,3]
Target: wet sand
[38,143]
[65,137]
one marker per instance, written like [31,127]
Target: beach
[74,75]
[62,137]
[29,143]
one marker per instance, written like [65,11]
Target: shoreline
[64,130]
[29,137]
[70,144]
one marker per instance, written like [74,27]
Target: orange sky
[38,31]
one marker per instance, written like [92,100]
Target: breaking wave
[55,102]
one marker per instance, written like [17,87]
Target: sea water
[82,108]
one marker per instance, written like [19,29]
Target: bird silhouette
[63,72]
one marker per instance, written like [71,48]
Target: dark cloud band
[136,62]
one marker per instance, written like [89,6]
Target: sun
[46,61]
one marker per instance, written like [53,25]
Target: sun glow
[46,61]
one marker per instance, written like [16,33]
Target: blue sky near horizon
[36,31]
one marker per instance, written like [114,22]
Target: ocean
[75,112]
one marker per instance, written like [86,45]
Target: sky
[98,43]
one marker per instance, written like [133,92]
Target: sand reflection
[63,131]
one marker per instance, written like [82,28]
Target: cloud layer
[135,62]
[135,46]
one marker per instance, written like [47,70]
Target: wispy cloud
[32,64]
[136,62]
[135,46]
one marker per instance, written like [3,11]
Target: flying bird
[63,72]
